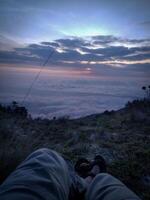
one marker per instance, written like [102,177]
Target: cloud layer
[94,50]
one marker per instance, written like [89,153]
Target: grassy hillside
[122,137]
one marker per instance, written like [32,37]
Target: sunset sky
[97,39]
[97,31]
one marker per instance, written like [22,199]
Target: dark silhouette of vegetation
[144,103]
[15,109]
[147,91]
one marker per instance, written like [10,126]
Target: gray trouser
[45,175]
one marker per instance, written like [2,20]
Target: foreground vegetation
[122,137]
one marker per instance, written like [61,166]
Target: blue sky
[37,20]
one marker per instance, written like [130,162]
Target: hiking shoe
[99,161]
[83,167]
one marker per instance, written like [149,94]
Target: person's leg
[43,175]
[107,187]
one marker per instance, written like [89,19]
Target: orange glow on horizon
[57,71]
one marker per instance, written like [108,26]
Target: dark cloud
[110,39]
[72,43]
[40,51]
[52,44]
[16,57]
[135,41]
[76,50]
[110,51]
[101,39]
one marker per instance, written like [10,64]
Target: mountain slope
[122,137]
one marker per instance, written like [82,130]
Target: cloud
[17,57]
[72,42]
[92,50]
[101,39]
[52,44]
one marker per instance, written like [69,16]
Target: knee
[107,179]
[42,150]
[38,152]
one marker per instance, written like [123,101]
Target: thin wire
[36,77]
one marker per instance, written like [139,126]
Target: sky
[45,20]
[101,40]
[97,31]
